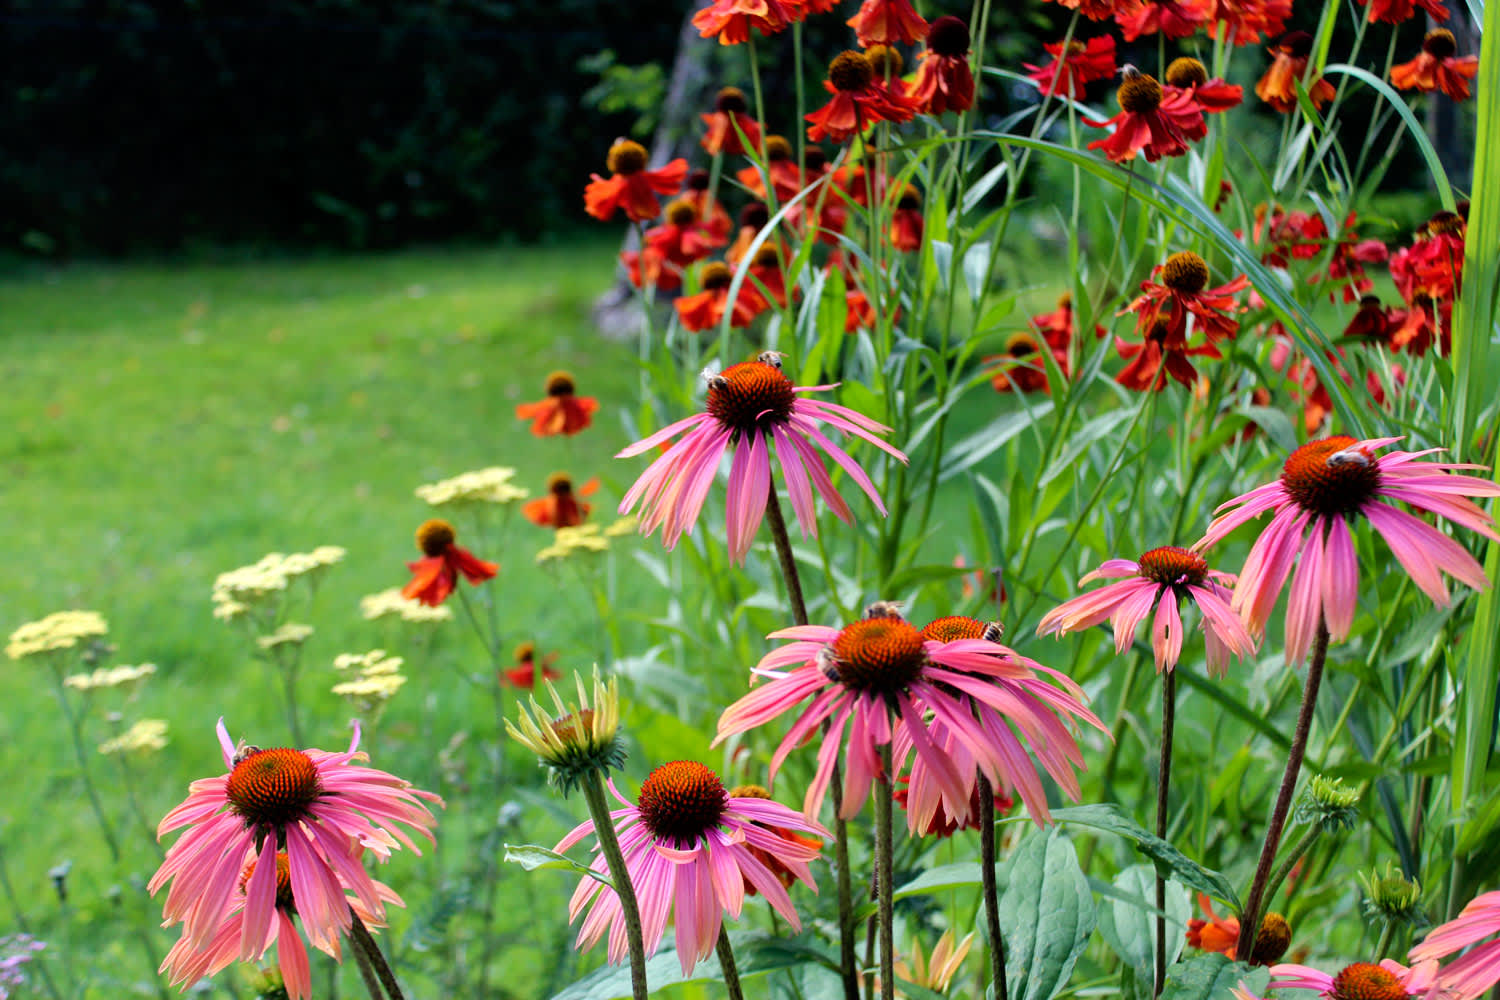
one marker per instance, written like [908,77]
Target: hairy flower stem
[1250,915]
[987,880]
[363,942]
[1163,786]
[726,962]
[848,965]
[883,875]
[1290,861]
[367,975]
[609,846]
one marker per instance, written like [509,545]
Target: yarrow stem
[847,960]
[1250,916]
[1163,785]
[726,962]
[609,846]
[365,943]
[987,880]
[75,726]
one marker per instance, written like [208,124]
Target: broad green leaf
[756,953]
[1127,920]
[1107,817]
[1211,976]
[531,857]
[958,875]
[977,270]
[1046,915]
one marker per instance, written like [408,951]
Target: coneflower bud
[1329,804]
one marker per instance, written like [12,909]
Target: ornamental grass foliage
[1135,311]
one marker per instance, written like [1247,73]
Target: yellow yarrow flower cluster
[240,589]
[60,630]
[110,677]
[482,486]
[146,736]
[622,526]
[571,541]
[378,680]
[290,634]
[582,738]
[390,602]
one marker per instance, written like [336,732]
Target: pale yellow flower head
[370,691]
[59,630]
[290,634]
[390,602]
[375,662]
[146,736]
[622,526]
[580,738]
[110,677]
[573,541]
[482,486]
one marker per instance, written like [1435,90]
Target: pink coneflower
[311,804]
[186,964]
[1325,485]
[882,667]
[1162,579]
[1388,980]
[687,840]
[1474,973]
[751,408]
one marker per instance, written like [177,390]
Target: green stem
[1163,788]
[784,556]
[726,962]
[1290,861]
[1250,916]
[75,727]
[883,875]
[367,975]
[1384,944]
[987,880]
[363,941]
[609,846]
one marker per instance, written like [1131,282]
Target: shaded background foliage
[142,123]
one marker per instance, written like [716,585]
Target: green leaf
[756,953]
[977,270]
[962,873]
[1107,817]
[1128,922]
[1211,976]
[531,857]
[1046,915]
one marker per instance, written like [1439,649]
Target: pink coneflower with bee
[690,848]
[884,681]
[751,410]
[1324,487]
[1155,586]
[316,807]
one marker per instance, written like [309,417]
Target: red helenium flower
[884,22]
[731,20]
[1245,21]
[631,186]
[1149,121]
[857,103]
[1436,68]
[1397,11]
[560,508]
[705,310]
[1173,18]
[1084,62]
[945,82]
[1182,292]
[730,129]
[435,575]
[1212,96]
[1278,87]
[562,412]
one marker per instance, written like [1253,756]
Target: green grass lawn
[172,422]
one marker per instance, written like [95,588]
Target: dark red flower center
[1021,345]
[283,881]
[698,180]
[731,100]
[1185,272]
[814,159]
[1187,72]
[626,157]
[885,61]
[525,652]
[749,792]
[1330,476]
[435,537]
[1439,43]
[681,212]
[715,275]
[1171,565]
[1140,94]
[1367,981]
[750,396]
[1445,222]
[560,484]
[560,384]
[879,655]
[273,787]
[766,257]
[1297,44]
[954,627]
[850,70]
[755,215]
[1160,327]
[777,148]
[681,801]
[948,36]
[910,198]
[1271,940]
